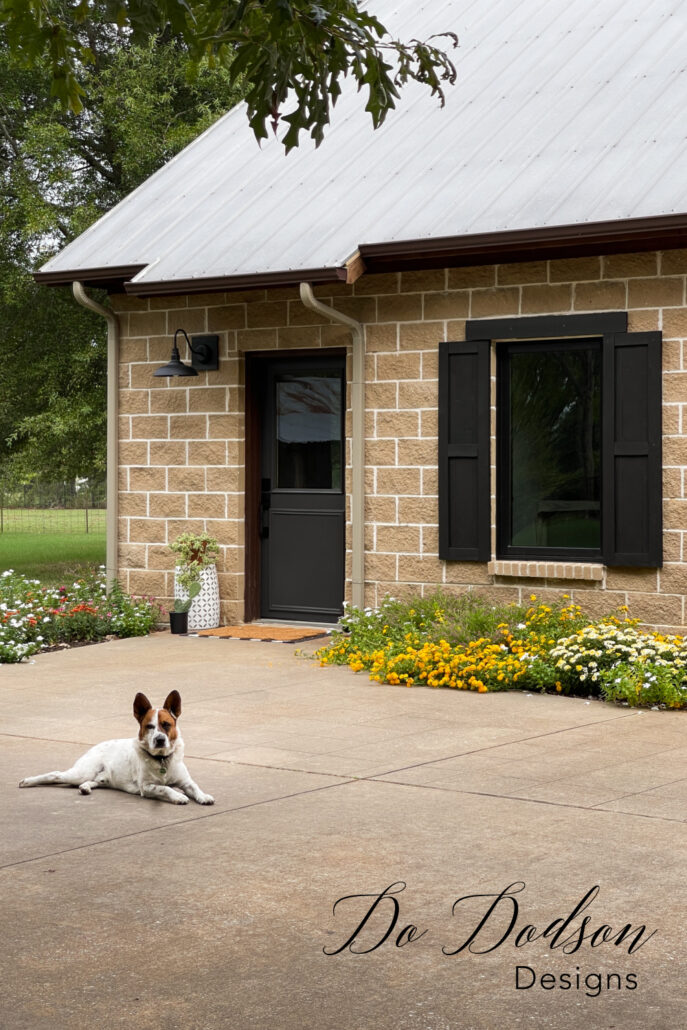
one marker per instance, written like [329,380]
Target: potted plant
[195,565]
[178,615]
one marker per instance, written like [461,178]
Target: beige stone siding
[182,441]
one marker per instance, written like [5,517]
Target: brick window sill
[547,570]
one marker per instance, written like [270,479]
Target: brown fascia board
[664,232]
[292,277]
[111,279]
[119,279]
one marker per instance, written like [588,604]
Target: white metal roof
[565,112]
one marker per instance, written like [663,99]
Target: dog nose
[159,740]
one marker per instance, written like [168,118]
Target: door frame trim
[254,361]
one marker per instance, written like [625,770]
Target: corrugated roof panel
[562,114]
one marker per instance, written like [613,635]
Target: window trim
[539,327]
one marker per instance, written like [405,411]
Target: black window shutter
[631,455]
[464,449]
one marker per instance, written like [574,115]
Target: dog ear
[141,706]
[173,703]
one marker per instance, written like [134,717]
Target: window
[309,430]
[578,441]
[549,447]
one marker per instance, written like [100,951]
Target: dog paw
[206,799]
[181,799]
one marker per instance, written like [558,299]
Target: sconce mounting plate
[205,353]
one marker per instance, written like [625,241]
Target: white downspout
[112,429]
[357,441]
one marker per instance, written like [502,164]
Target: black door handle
[264,512]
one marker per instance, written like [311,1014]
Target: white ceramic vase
[204,611]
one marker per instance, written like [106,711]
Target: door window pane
[309,446]
[555,455]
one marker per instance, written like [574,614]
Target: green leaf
[275,48]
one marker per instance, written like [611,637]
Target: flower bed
[463,643]
[34,618]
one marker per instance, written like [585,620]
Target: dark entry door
[302,501]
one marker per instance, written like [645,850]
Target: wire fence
[74,506]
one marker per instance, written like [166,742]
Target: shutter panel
[464,448]
[631,457]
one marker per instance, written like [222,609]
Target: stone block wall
[182,442]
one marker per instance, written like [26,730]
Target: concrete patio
[120,911]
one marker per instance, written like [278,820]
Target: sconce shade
[175,366]
[204,356]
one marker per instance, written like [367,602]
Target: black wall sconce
[204,356]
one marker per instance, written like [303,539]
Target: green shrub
[35,617]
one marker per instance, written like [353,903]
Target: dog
[151,764]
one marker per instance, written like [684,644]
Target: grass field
[51,545]
[52,520]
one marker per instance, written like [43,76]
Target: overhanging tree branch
[285,52]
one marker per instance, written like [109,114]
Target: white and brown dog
[151,764]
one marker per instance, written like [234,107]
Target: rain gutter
[357,439]
[661,232]
[82,297]
[501,246]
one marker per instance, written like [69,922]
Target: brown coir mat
[288,634]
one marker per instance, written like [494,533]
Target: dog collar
[161,760]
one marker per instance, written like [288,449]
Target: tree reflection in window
[555,453]
[309,431]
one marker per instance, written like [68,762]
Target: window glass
[554,445]
[309,446]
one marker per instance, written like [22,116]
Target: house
[450,351]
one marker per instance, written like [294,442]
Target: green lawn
[52,520]
[52,557]
[52,544]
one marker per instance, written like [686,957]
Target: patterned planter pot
[204,612]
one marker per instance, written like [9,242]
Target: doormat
[287,634]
